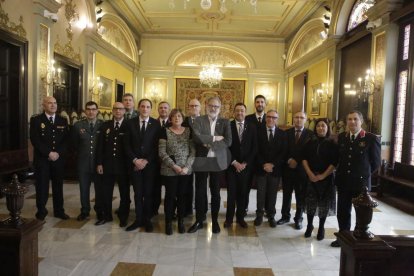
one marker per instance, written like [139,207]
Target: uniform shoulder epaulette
[36,115]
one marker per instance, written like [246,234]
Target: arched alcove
[307,39]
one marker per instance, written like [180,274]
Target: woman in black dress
[320,159]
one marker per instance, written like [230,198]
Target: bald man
[49,137]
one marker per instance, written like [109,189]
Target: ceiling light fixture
[210,75]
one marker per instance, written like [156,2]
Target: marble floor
[81,248]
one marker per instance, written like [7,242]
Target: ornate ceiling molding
[9,26]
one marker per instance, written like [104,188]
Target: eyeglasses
[214,106]
[118,108]
[272,117]
[299,117]
[194,105]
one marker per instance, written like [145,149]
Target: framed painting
[105,97]
[315,102]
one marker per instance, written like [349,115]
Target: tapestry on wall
[230,92]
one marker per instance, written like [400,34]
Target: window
[358,13]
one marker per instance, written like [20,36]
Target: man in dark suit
[49,137]
[163,113]
[258,119]
[129,104]
[243,152]
[359,157]
[141,147]
[212,137]
[111,164]
[294,177]
[194,108]
[84,137]
[270,157]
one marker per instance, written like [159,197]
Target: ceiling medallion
[207,4]
[210,75]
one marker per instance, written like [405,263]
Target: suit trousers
[175,191]
[267,186]
[201,194]
[143,184]
[85,180]
[45,171]
[237,187]
[158,182]
[345,208]
[124,194]
[293,180]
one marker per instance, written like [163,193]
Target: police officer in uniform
[49,137]
[359,157]
[111,163]
[84,136]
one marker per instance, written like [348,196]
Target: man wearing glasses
[84,137]
[212,138]
[269,161]
[294,177]
[111,164]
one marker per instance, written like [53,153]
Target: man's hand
[140,164]
[53,156]
[268,167]
[218,138]
[99,169]
[292,163]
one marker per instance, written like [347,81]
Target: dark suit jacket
[46,137]
[142,146]
[271,151]
[357,160]
[167,123]
[252,119]
[110,151]
[202,136]
[246,150]
[296,150]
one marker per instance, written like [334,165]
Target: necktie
[51,119]
[259,119]
[143,128]
[240,131]
[163,123]
[128,115]
[192,120]
[297,135]
[352,137]
[270,134]
[91,127]
[116,125]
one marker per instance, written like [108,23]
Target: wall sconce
[365,87]
[154,95]
[53,74]
[96,87]
[323,94]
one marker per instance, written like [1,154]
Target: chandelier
[366,87]
[206,4]
[210,75]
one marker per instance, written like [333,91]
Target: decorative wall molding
[10,26]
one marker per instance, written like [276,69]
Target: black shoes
[321,234]
[335,243]
[41,216]
[283,221]
[242,223]
[227,224]
[82,216]
[258,221]
[308,231]
[168,228]
[195,227]
[133,226]
[122,223]
[148,227]
[298,224]
[216,227]
[62,216]
[272,222]
[100,222]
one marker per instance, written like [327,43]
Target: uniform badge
[107,131]
[42,125]
[362,144]
[82,130]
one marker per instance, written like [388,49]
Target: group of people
[184,153]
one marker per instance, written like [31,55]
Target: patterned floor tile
[243,271]
[133,269]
